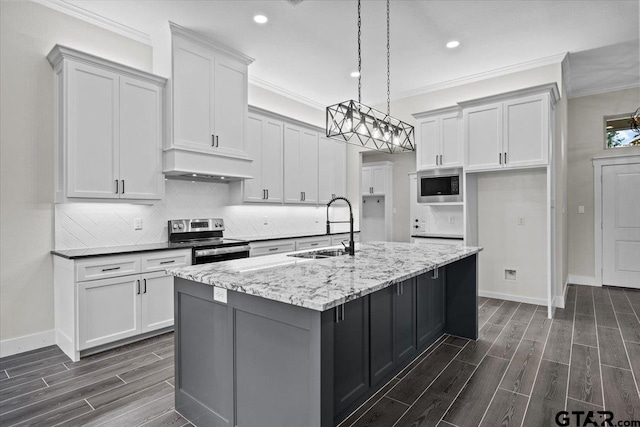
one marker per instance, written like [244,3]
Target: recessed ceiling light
[453,43]
[222,177]
[355,74]
[260,19]
[194,174]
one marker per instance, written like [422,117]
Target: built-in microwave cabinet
[438,139]
[509,131]
[108,138]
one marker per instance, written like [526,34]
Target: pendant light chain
[388,65]
[359,56]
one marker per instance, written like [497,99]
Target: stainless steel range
[206,238]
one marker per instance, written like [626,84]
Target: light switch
[137,223]
[580,209]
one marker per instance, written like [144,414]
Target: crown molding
[429,113]
[95,19]
[195,36]
[550,88]
[541,62]
[256,81]
[598,91]
[289,120]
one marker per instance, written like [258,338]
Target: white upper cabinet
[108,129]
[509,130]
[438,139]
[264,144]
[332,169]
[376,179]
[300,165]
[209,95]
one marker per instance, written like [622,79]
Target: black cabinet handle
[435,274]
[138,286]
[213,140]
[436,159]
[340,313]
[123,186]
[273,249]
[111,269]
[500,158]
[267,194]
[167,262]
[145,286]
[217,141]
[116,186]
[505,157]
[440,159]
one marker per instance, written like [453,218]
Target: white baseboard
[26,343]
[558,301]
[575,279]
[516,298]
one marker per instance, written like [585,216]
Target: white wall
[503,197]
[586,141]
[28,32]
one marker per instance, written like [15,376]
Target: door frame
[598,164]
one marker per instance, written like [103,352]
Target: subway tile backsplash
[82,225]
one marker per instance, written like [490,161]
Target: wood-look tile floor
[523,370]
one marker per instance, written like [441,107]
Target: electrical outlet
[316,220]
[266,221]
[580,209]
[509,274]
[137,223]
[452,219]
[521,221]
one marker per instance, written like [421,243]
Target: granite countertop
[163,246]
[438,235]
[321,284]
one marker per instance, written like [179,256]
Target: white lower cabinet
[103,300]
[272,247]
[313,243]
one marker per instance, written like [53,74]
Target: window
[618,132]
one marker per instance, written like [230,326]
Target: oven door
[206,255]
[440,186]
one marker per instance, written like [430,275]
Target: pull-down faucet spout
[351,249]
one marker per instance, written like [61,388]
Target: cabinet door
[331,169]
[483,136]
[378,179]
[430,307]
[254,189]
[92,132]
[381,321]
[526,130]
[109,310]
[157,301]
[272,159]
[309,170]
[405,323]
[367,180]
[451,147]
[230,106]
[140,140]
[428,142]
[292,184]
[193,114]
[351,354]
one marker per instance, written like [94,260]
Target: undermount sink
[322,253]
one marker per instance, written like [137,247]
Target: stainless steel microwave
[440,185]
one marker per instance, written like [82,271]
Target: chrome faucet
[352,248]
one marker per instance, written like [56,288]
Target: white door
[526,127]
[92,151]
[451,148]
[157,301]
[367,180]
[292,184]
[109,310]
[140,140]
[254,190]
[230,106]
[483,136]
[621,225]
[428,141]
[193,115]
[378,181]
[272,159]
[309,170]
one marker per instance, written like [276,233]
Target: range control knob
[180,226]
[175,226]
[415,226]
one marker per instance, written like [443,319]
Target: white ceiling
[310,49]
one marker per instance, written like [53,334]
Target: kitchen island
[287,341]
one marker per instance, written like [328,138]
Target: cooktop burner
[199,233]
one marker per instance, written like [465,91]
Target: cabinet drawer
[259,249]
[105,267]
[344,238]
[158,261]
[437,241]
[313,243]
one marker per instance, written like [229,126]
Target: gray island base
[253,361]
